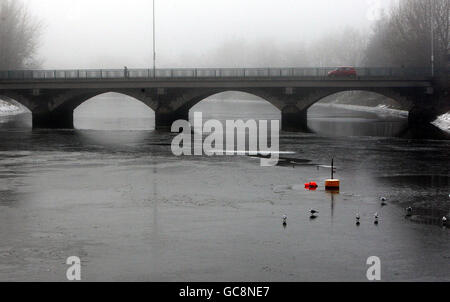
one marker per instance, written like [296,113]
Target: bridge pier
[53,120]
[165,117]
[421,116]
[294,119]
[426,108]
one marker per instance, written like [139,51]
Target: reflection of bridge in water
[52,95]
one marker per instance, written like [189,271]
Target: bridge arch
[105,108]
[192,98]
[245,95]
[292,103]
[235,105]
[175,104]
[72,100]
[331,119]
[55,108]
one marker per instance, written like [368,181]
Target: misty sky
[114,33]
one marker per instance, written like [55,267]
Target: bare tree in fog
[341,48]
[19,35]
[264,53]
[403,37]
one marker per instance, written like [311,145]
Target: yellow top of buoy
[332,183]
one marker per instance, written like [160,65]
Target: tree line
[404,36]
[410,33]
[19,36]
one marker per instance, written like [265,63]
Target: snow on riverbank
[380,109]
[443,122]
[9,109]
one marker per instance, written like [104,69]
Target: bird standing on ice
[313,214]
[285,220]
[383,201]
[358,218]
[376,218]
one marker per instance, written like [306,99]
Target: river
[117,198]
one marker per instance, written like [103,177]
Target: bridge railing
[202,73]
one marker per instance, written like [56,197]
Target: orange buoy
[332,183]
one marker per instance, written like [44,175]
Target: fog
[115,33]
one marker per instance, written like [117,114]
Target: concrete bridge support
[165,117]
[54,109]
[294,119]
[419,116]
[59,119]
[427,107]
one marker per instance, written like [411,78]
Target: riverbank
[9,109]
[380,109]
[442,122]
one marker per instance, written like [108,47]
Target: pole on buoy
[332,168]
[332,184]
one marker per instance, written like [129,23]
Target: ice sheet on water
[380,109]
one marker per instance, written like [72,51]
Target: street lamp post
[154,41]
[432,36]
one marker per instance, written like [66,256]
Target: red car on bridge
[349,72]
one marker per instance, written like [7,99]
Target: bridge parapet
[204,73]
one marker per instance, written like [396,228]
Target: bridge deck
[253,77]
[201,73]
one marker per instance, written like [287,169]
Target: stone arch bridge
[52,96]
